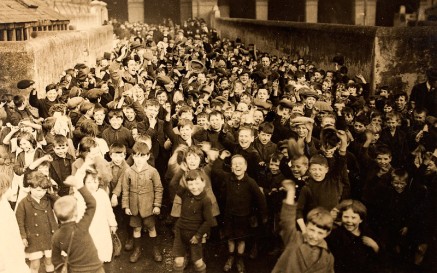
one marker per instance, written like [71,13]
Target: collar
[197,197]
[321,244]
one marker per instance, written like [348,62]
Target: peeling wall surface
[45,57]
[398,57]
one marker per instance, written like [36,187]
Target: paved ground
[215,258]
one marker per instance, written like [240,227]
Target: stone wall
[395,56]
[45,57]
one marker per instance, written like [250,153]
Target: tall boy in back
[82,256]
[142,198]
[304,252]
[324,187]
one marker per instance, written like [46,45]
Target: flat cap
[23,84]
[197,66]
[306,92]
[163,80]
[74,102]
[286,103]
[95,93]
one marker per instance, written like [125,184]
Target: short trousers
[182,242]
[39,254]
[146,222]
[236,227]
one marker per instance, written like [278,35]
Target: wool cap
[23,84]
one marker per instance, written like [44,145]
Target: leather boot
[135,255]
[129,245]
[157,256]
[229,263]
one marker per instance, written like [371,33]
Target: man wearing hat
[425,94]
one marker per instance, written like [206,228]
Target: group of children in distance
[220,139]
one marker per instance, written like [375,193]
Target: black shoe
[229,263]
[135,255]
[129,245]
[157,256]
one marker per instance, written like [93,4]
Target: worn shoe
[240,266]
[129,245]
[229,263]
[157,256]
[135,255]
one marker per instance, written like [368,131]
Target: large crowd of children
[219,139]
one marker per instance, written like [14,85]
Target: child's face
[94,152]
[196,186]
[193,161]
[264,138]
[258,117]
[245,138]
[383,160]
[99,117]
[129,113]
[162,98]
[375,137]
[400,103]
[239,166]
[140,160]
[202,121]
[301,130]
[216,122]
[263,94]
[37,192]
[349,117]
[152,111]
[117,158]
[351,221]
[61,150]
[372,104]
[91,183]
[186,115]
[377,120]
[384,93]
[392,123]
[387,108]
[185,132]
[242,107]
[419,118]
[51,95]
[298,168]
[274,167]
[116,122]
[399,183]
[359,127]
[315,234]
[318,172]
[309,102]
[25,145]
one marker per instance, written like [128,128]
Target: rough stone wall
[397,57]
[403,55]
[44,58]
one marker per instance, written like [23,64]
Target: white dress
[103,219]
[12,259]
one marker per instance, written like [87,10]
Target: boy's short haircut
[193,175]
[319,159]
[35,179]
[117,148]
[85,107]
[184,122]
[302,158]
[238,156]
[60,140]
[355,205]
[216,113]
[65,208]
[85,146]
[321,218]
[382,150]
[276,157]
[185,109]
[58,107]
[118,113]
[88,128]
[400,173]
[420,110]
[48,124]
[203,115]
[348,110]
[98,107]
[152,102]
[18,100]
[245,128]
[401,94]
[140,148]
[267,127]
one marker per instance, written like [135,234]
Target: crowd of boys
[258,119]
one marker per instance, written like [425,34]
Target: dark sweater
[83,253]
[121,135]
[196,212]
